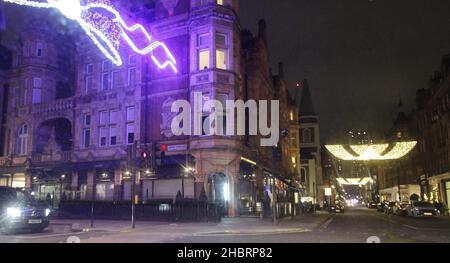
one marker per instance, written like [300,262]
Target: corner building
[72,115]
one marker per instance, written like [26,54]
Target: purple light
[105,27]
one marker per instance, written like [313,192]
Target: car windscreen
[11,195]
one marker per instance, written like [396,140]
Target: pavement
[356,225]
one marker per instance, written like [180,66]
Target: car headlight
[13,212]
[47,212]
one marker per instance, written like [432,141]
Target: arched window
[308,136]
[22,148]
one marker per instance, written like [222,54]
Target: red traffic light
[163,147]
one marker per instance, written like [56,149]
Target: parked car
[422,209]
[400,209]
[337,208]
[389,208]
[18,211]
[372,205]
[381,206]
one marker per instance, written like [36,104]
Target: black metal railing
[151,210]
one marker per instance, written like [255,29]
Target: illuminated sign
[328,192]
[104,25]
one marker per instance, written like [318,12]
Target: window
[291,117]
[221,51]
[23,140]
[221,59]
[102,136]
[203,52]
[203,40]
[115,79]
[220,2]
[87,119]
[130,114]
[112,135]
[39,49]
[131,77]
[103,117]
[308,136]
[88,84]
[113,117]
[106,65]
[105,81]
[130,133]
[221,39]
[132,60]
[86,138]
[37,91]
[203,59]
[89,68]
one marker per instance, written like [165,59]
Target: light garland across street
[372,152]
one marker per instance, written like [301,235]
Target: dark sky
[360,56]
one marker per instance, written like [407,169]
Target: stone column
[74,186]
[233,199]
[28,181]
[233,182]
[90,184]
[117,184]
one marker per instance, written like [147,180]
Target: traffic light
[145,159]
[160,154]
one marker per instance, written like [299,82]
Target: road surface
[356,225]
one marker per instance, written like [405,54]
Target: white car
[422,209]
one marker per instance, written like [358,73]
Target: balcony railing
[65,156]
[56,106]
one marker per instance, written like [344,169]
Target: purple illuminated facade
[72,112]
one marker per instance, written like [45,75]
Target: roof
[306,104]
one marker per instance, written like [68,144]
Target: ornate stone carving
[167,117]
[170,5]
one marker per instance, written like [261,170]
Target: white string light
[372,152]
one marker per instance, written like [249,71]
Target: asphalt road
[356,225]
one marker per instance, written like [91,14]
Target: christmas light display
[354,181]
[104,25]
[372,152]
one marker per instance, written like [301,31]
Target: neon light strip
[72,9]
[149,49]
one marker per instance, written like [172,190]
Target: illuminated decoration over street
[104,25]
[354,181]
[371,152]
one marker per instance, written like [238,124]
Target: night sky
[360,56]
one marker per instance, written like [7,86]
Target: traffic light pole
[133,185]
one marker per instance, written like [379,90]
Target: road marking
[256,233]
[328,222]
[47,236]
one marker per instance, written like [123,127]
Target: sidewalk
[121,231]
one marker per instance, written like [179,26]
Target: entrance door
[219,191]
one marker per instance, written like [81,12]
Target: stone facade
[433,122]
[72,115]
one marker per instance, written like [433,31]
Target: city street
[356,225]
